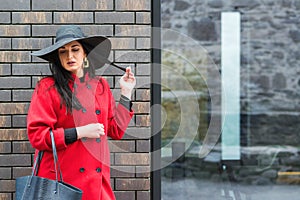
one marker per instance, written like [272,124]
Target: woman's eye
[75,49]
[61,52]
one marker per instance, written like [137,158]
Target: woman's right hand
[90,131]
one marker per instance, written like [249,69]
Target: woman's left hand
[127,83]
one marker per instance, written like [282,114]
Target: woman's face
[71,57]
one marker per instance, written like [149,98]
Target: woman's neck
[79,73]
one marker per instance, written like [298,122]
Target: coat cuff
[126,102]
[70,135]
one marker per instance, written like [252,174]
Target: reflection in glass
[267,128]
[230,51]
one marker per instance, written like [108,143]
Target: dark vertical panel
[156,101]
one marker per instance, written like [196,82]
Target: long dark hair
[62,79]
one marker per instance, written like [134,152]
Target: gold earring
[86,63]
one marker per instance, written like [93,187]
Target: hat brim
[100,46]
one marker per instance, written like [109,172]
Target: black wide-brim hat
[98,46]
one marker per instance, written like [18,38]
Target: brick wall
[28,25]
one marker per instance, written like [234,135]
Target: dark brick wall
[29,25]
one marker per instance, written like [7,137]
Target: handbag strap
[36,164]
[56,163]
[38,159]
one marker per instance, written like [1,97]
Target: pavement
[194,189]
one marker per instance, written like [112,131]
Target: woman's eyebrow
[75,45]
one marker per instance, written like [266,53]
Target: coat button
[84,139]
[98,170]
[98,140]
[98,112]
[81,169]
[83,110]
[88,86]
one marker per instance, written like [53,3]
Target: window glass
[230,99]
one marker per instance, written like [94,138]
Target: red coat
[84,163]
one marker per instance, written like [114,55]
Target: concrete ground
[194,189]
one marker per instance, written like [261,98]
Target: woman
[79,108]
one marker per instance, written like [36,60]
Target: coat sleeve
[42,117]
[118,118]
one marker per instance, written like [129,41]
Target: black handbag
[33,187]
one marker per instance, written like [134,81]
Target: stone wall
[270,73]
